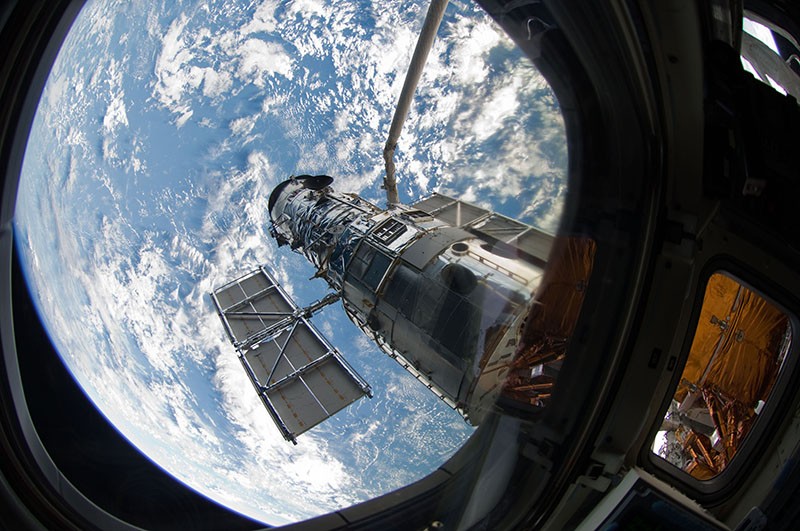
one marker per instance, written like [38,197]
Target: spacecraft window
[740,346]
[771,54]
[153,158]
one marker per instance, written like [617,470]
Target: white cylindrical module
[444,302]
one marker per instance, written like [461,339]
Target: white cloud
[263,19]
[494,112]
[473,42]
[308,8]
[260,59]
[169,68]
[345,149]
[242,126]
[214,83]
[181,120]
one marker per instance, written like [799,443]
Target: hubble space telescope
[456,294]
[444,287]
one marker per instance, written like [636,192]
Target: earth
[162,130]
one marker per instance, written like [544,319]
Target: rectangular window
[739,347]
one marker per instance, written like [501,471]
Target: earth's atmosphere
[161,132]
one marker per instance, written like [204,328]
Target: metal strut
[424,44]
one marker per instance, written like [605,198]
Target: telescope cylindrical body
[438,298]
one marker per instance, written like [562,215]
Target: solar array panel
[301,379]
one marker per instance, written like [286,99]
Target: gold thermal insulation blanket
[736,346]
[552,317]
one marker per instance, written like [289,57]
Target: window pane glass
[773,65]
[162,133]
[739,347]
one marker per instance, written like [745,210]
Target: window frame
[774,412]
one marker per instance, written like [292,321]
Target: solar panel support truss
[299,376]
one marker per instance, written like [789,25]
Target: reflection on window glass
[771,55]
[550,323]
[739,347]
